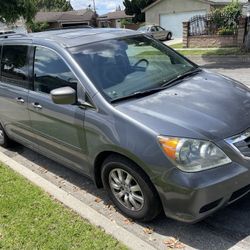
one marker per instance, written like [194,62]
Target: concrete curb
[85,211]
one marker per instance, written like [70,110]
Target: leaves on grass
[110,207]
[128,221]
[148,230]
[174,243]
[98,200]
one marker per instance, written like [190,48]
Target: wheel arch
[100,158]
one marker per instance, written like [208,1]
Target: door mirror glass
[65,95]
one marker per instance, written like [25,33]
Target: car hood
[205,106]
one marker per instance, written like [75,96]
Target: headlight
[192,155]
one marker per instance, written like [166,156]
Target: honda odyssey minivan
[148,125]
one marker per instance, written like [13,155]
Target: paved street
[241,74]
[239,71]
[228,228]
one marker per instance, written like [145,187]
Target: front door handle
[20,100]
[36,105]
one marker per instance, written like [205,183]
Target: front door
[58,128]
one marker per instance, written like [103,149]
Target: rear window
[14,66]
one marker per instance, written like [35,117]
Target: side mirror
[65,95]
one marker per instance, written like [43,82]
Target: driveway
[228,228]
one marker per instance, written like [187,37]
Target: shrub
[38,26]
[226,19]
[226,31]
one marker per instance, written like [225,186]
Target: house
[19,26]
[68,18]
[170,14]
[113,19]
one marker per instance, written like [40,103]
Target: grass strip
[30,219]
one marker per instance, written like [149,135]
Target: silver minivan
[142,121]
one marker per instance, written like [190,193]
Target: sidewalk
[173,41]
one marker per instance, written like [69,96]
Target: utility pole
[247,41]
[94,5]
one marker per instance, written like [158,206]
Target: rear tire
[130,189]
[4,139]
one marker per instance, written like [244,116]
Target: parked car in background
[157,32]
[142,121]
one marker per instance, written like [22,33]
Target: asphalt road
[226,229]
[239,71]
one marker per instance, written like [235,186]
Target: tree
[135,7]
[226,19]
[11,10]
[53,5]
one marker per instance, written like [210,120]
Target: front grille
[241,143]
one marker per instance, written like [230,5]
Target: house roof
[114,15]
[50,17]
[211,2]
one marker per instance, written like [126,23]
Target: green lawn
[196,51]
[217,52]
[177,46]
[207,52]
[30,219]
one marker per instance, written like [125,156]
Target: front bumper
[190,197]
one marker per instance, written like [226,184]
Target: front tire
[130,189]
[169,36]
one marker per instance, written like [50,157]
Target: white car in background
[157,32]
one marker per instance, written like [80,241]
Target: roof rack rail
[7,35]
[72,27]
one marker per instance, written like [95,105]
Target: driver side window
[51,72]
[153,29]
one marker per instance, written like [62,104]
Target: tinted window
[160,28]
[51,72]
[153,29]
[0,54]
[14,66]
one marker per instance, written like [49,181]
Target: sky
[102,6]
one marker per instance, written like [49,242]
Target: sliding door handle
[36,105]
[19,100]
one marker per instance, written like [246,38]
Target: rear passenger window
[14,66]
[51,72]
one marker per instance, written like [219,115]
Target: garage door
[174,22]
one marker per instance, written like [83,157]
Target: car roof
[149,25]
[73,37]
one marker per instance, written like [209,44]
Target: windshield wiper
[138,94]
[155,90]
[182,76]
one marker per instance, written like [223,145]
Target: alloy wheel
[126,189]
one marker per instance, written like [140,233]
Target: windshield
[122,67]
[143,28]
